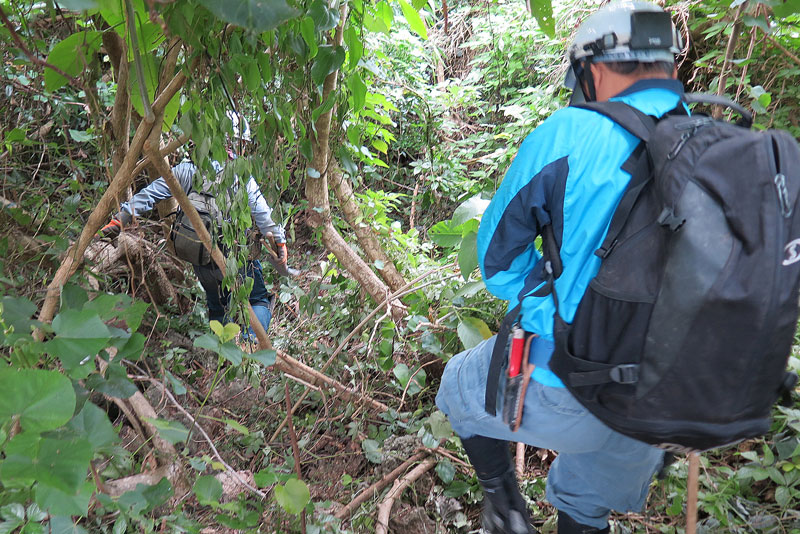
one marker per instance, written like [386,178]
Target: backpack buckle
[624,374]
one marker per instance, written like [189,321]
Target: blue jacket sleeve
[262,212]
[522,206]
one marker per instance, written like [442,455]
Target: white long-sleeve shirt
[143,201]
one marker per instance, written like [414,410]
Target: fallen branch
[520,459]
[385,508]
[171,471]
[405,290]
[376,488]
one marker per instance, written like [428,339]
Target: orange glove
[282,252]
[112,229]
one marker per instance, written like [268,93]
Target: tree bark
[121,112]
[319,213]
[366,237]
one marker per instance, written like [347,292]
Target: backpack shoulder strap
[628,117]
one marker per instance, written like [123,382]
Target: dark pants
[217,298]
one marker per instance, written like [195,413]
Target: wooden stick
[375,488]
[385,508]
[691,493]
[520,459]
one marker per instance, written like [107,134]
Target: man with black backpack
[188,245]
[567,177]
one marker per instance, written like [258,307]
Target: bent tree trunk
[317,193]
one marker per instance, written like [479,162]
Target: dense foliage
[381,129]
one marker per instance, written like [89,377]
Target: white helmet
[239,133]
[626,30]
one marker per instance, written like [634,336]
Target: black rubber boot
[504,507]
[567,525]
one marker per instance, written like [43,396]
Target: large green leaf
[324,17]
[472,331]
[543,11]
[256,15]
[59,463]
[785,8]
[79,336]
[58,502]
[329,59]
[71,55]
[468,254]
[115,383]
[413,18]
[207,489]
[469,209]
[65,525]
[43,400]
[293,496]
[93,424]
[445,234]
[358,90]
[172,431]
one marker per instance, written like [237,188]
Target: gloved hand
[112,229]
[282,252]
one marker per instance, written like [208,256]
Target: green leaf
[177,386]
[79,336]
[172,431]
[472,331]
[470,209]
[372,451]
[65,525]
[12,512]
[309,36]
[43,400]
[329,59]
[324,17]
[786,8]
[207,341]
[264,357]
[231,352]
[446,471]
[58,502]
[60,463]
[445,234]
[543,11]
[413,18]
[133,348]
[293,496]
[208,490]
[75,297]
[93,424]
[358,91]
[440,425]
[115,383]
[80,136]
[783,496]
[255,15]
[355,46]
[265,477]
[71,55]
[78,5]
[468,254]
[7,527]
[404,375]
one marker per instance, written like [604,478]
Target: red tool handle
[515,358]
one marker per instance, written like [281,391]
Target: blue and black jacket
[568,174]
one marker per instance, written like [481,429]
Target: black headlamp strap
[586,76]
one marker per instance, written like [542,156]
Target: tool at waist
[519,376]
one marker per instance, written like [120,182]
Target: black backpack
[682,338]
[187,243]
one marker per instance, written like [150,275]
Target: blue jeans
[597,469]
[217,297]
